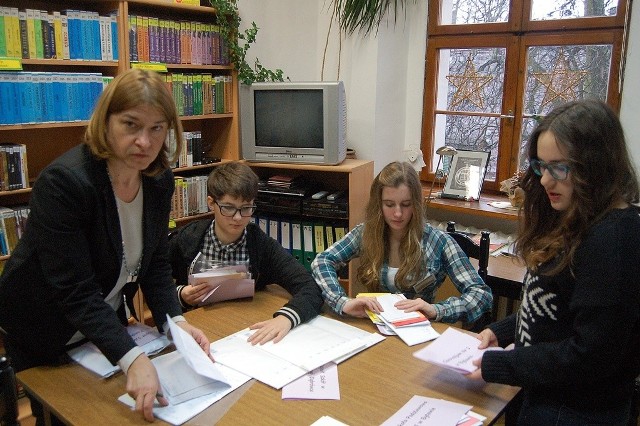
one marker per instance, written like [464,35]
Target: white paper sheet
[305,348]
[454,350]
[423,411]
[89,356]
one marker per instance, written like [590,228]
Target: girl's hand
[412,305]
[357,307]
[193,294]
[487,339]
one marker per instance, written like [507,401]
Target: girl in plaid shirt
[400,253]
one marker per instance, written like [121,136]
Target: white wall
[383,75]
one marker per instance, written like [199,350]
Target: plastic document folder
[305,348]
[89,356]
[225,283]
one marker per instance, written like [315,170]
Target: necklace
[132,275]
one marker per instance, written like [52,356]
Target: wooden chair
[501,288]
[480,252]
[8,394]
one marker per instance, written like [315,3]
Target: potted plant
[238,43]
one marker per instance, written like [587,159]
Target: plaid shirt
[217,253]
[441,256]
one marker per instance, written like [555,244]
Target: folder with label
[296,241]
[308,244]
[285,234]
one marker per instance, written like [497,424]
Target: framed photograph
[466,175]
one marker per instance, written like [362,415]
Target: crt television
[294,122]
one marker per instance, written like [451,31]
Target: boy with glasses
[232,237]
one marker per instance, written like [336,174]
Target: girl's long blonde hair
[374,249]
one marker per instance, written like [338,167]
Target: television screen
[289,118]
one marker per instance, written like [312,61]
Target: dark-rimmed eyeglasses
[230,211]
[558,171]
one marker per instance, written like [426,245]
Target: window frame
[516,36]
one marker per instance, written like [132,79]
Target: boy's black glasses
[558,171]
[230,211]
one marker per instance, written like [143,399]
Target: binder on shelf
[319,238]
[296,241]
[274,229]
[340,232]
[263,223]
[308,245]
[285,234]
[328,234]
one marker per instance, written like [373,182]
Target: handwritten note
[321,383]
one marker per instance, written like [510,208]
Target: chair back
[480,252]
[472,249]
[8,394]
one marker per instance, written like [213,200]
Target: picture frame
[466,175]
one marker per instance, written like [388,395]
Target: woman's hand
[487,339]
[197,335]
[357,307]
[274,329]
[412,305]
[143,386]
[476,375]
[193,294]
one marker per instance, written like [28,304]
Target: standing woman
[577,333]
[97,230]
[400,252]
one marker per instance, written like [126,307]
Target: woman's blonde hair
[374,248]
[128,90]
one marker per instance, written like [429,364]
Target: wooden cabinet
[46,141]
[352,176]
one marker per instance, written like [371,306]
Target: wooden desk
[373,384]
[480,207]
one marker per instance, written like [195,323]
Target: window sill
[475,208]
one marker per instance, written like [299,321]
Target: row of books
[199,94]
[43,97]
[67,34]
[169,41]
[189,197]
[192,151]
[303,238]
[14,172]
[12,226]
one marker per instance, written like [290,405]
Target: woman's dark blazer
[70,256]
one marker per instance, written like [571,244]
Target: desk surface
[373,384]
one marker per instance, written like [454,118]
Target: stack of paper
[454,350]
[411,333]
[89,356]
[305,348]
[189,379]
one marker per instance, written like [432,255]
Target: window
[494,67]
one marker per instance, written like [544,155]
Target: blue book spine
[27,103]
[114,36]
[5,117]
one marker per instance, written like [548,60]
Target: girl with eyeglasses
[577,332]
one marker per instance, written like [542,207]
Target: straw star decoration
[561,82]
[468,86]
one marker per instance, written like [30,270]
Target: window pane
[474,11]
[474,133]
[563,9]
[471,79]
[470,84]
[528,125]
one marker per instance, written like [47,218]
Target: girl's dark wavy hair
[590,136]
